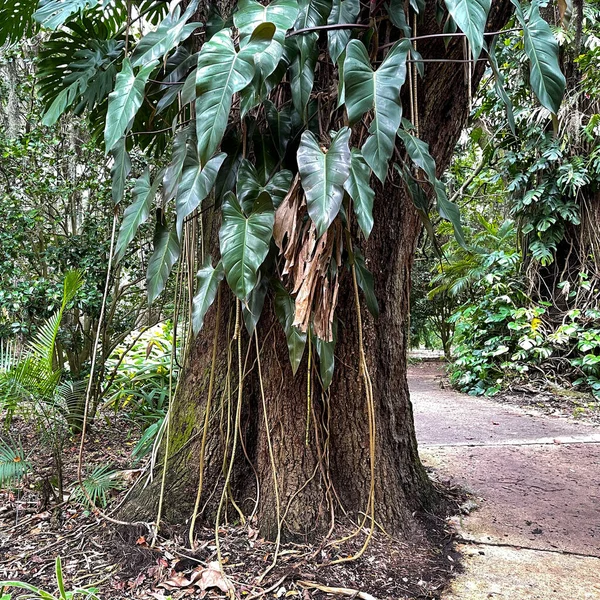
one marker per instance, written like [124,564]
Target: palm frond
[13,462]
[43,345]
[98,486]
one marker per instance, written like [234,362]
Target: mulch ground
[123,563]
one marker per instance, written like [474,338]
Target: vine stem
[90,380]
[272,458]
[238,414]
[206,420]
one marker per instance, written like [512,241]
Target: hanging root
[273,465]
[206,421]
[161,497]
[308,389]
[364,372]
[89,388]
[238,413]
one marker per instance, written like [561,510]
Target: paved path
[536,533]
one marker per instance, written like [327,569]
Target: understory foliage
[524,293]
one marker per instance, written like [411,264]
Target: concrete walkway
[536,533]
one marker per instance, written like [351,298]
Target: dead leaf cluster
[311,264]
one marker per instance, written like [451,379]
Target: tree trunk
[325,463]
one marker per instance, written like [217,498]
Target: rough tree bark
[334,467]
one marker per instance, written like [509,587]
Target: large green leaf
[398,17]
[499,86]
[421,202]
[358,186]
[119,171]
[172,31]
[124,102]
[249,187]
[16,20]
[366,89]
[365,282]
[418,150]
[173,171]
[323,175]
[302,71]
[244,241]
[209,278]
[471,16]
[221,73]
[196,184]
[280,125]
[77,68]
[546,78]
[325,351]
[250,14]
[342,11]
[312,13]
[137,212]
[53,13]
[165,255]
[285,308]
[252,308]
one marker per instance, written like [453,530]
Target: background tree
[530,312]
[281,219]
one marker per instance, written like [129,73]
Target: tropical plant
[140,373]
[13,462]
[97,486]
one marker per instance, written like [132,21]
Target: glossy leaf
[366,89]
[325,351]
[173,171]
[364,277]
[323,175]
[249,187]
[418,150]
[172,31]
[250,14]
[302,71]
[499,86]
[53,13]
[252,309]
[209,278]
[221,73]
[285,309]
[137,212]
[358,186]
[398,17]
[342,11]
[471,17]
[165,255]
[124,102]
[541,47]
[244,241]
[280,125]
[312,13]
[196,184]
[119,171]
